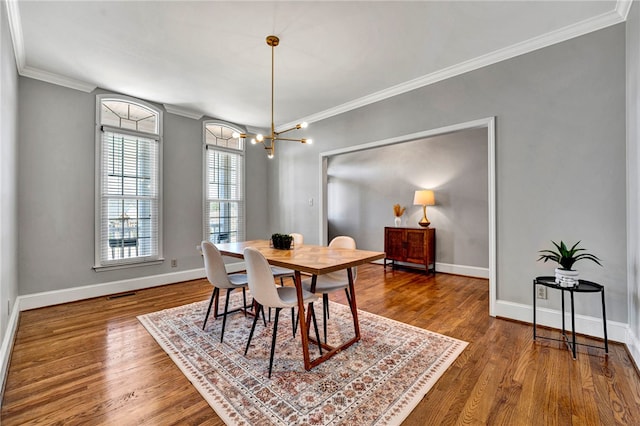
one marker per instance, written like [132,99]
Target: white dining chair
[266,293]
[219,279]
[332,281]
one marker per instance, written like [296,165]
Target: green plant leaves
[567,257]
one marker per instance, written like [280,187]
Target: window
[128,180]
[223,184]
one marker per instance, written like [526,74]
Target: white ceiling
[210,57]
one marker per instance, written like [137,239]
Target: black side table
[582,287]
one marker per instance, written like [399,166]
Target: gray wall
[363,186]
[560,157]
[633,162]
[56,191]
[8,173]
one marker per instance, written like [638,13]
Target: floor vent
[118,296]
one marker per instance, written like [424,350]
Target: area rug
[377,381]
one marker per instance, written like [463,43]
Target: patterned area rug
[377,381]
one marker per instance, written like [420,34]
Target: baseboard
[468,271]
[447,268]
[589,326]
[633,345]
[7,346]
[56,297]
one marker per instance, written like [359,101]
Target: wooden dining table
[314,260]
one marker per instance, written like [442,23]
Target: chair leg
[253,326]
[244,301]
[294,323]
[325,314]
[325,303]
[213,296]
[273,339]
[224,318]
[216,303]
[315,326]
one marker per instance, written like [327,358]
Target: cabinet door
[393,243]
[416,245]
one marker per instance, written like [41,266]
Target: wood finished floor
[92,362]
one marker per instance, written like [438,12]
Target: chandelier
[269,141]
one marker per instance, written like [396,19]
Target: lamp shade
[424,197]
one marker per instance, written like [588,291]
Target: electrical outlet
[542,292]
[174,263]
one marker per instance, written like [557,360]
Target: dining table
[312,260]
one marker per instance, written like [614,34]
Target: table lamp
[424,198]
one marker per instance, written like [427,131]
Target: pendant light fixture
[269,141]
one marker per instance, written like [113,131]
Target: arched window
[128,182]
[223,184]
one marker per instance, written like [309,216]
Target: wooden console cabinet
[410,245]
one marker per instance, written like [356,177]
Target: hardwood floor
[92,362]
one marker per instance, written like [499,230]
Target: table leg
[534,309]
[354,307]
[563,328]
[604,323]
[573,327]
[303,322]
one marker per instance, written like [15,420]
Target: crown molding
[15,28]
[173,109]
[566,33]
[58,79]
[623,7]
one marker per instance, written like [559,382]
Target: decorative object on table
[379,381]
[274,136]
[424,198]
[398,212]
[566,276]
[281,241]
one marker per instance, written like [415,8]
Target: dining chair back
[345,242]
[219,279]
[298,239]
[214,266]
[261,282]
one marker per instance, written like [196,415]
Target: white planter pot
[567,278]
[397,221]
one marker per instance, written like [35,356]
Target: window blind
[129,203]
[224,198]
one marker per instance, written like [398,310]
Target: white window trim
[136,262]
[205,223]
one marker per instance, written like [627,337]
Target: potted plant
[566,257]
[398,211]
[281,241]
